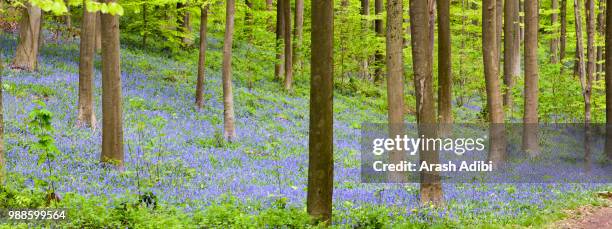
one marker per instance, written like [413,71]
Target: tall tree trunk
[320,139]
[112,110]
[86,115]
[298,32]
[522,19]
[591,58]
[445,78]
[279,68]
[378,28]
[499,9]
[365,11]
[563,36]
[608,75]
[288,82]
[554,43]
[228,96]
[512,53]
[144,26]
[98,31]
[26,56]
[497,139]
[601,31]
[395,80]
[68,17]
[431,188]
[202,57]
[530,115]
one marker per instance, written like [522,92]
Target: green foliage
[40,125]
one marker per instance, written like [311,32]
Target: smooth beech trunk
[288,82]
[591,58]
[554,42]
[422,58]
[395,80]
[86,115]
[112,111]
[26,56]
[530,115]
[490,51]
[298,32]
[608,69]
[512,53]
[202,58]
[378,28]
[320,136]
[279,67]
[229,131]
[98,32]
[445,77]
[600,31]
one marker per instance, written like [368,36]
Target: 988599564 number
[33,214]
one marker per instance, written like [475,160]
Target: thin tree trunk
[563,37]
[112,129]
[499,9]
[378,28]
[86,115]
[431,187]
[591,58]
[144,25]
[184,20]
[202,58]
[512,53]
[320,142]
[554,43]
[445,78]
[530,115]
[601,31]
[395,80]
[26,56]
[608,75]
[580,53]
[522,19]
[228,96]
[365,11]
[68,17]
[298,32]
[497,140]
[288,82]
[269,4]
[279,68]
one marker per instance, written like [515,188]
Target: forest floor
[588,217]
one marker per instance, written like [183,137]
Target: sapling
[40,125]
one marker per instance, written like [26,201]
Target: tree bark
[98,31]
[530,115]
[112,129]
[512,53]
[288,82]
[601,31]
[563,36]
[365,63]
[184,20]
[279,68]
[228,96]
[422,57]
[591,58]
[86,115]
[320,142]
[608,75]
[445,78]
[554,43]
[378,28]
[26,56]
[490,51]
[395,80]
[269,4]
[202,57]
[499,8]
[298,32]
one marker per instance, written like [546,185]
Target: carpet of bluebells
[178,153]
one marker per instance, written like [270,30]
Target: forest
[305,114]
